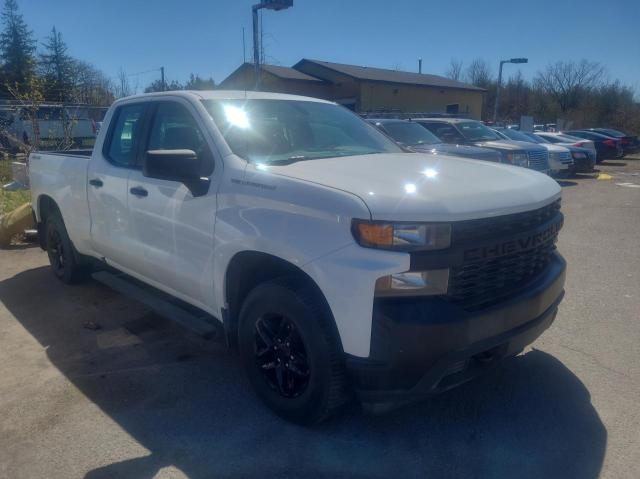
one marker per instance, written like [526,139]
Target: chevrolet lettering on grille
[514,245]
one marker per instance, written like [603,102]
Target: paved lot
[139,397]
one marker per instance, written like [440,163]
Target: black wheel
[65,262]
[291,352]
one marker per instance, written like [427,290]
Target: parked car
[410,134]
[560,160]
[567,140]
[334,261]
[583,158]
[630,143]
[459,131]
[606,146]
[54,125]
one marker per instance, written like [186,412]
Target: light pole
[271,5]
[502,62]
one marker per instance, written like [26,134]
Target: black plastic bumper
[424,346]
[583,165]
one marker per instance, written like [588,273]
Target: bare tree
[455,69]
[568,82]
[30,98]
[92,86]
[123,87]
[479,73]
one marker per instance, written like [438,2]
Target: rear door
[172,230]
[107,176]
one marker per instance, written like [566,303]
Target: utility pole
[256,43]
[502,62]
[271,5]
[244,49]
[162,82]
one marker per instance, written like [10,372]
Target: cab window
[124,135]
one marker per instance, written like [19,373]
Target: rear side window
[125,134]
[445,132]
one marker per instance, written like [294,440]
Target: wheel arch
[248,269]
[45,206]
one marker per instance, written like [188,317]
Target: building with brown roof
[365,89]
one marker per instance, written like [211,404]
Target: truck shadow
[186,400]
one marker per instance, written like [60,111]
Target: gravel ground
[94,385]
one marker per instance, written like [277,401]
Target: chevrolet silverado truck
[336,263]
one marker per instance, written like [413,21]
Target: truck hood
[554,148]
[460,150]
[510,145]
[422,187]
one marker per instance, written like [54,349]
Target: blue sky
[205,36]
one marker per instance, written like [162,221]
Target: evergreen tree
[17,48]
[57,68]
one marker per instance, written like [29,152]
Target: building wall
[410,98]
[244,79]
[341,88]
[359,95]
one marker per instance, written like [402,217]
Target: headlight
[402,236]
[554,156]
[578,155]
[413,283]
[518,159]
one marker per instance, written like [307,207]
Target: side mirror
[176,165]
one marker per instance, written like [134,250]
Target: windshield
[536,138]
[476,131]
[613,133]
[568,138]
[411,134]
[284,131]
[518,136]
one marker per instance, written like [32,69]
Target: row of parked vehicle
[558,153]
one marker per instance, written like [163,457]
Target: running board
[187,316]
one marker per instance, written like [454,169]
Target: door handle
[139,191]
[96,182]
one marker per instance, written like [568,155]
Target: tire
[291,353]
[67,265]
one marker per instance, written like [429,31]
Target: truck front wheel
[291,352]
[65,261]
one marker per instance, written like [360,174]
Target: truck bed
[62,176]
[82,153]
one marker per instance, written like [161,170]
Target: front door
[172,230]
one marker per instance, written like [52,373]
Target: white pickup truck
[336,262]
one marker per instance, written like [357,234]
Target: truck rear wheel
[65,261]
[290,351]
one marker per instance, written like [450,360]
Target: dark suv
[411,135]
[458,131]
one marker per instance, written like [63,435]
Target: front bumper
[423,346]
[584,165]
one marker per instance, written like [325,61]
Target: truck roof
[228,95]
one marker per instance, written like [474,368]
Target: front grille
[470,231]
[563,157]
[484,282]
[539,160]
[566,158]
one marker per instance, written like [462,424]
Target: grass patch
[10,200]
